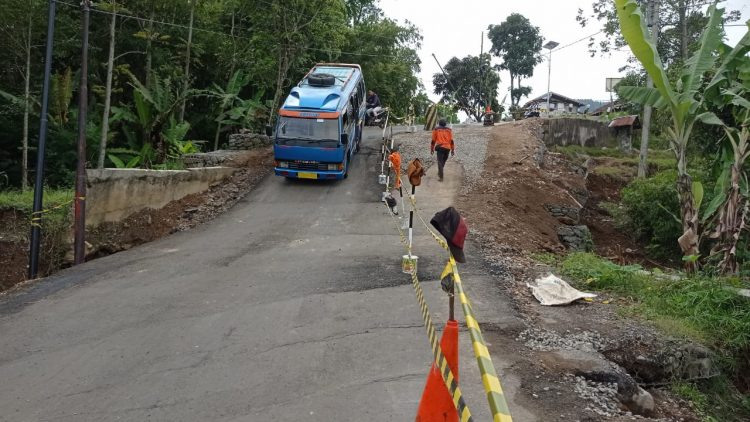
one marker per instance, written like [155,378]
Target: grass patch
[24,200]
[703,309]
[619,163]
[616,172]
[56,223]
[574,151]
[708,306]
[546,258]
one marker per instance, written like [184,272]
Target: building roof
[616,105]
[555,97]
[623,121]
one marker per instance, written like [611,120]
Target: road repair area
[292,305]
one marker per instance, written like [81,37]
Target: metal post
[39,182]
[550,45]
[481,64]
[549,79]
[79,245]
[411,217]
[451,297]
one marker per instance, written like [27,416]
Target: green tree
[685,101]
[387,52]
[20,33]
[519,44]
[470,83]
[681,22]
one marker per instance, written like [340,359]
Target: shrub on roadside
[650,209]
[56,223]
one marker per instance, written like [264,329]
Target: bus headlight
[334,167]
[284,164]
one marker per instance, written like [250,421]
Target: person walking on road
[442,142]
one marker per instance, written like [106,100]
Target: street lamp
[550,45]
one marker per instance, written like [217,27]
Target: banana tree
[684,101]
[227,97]
[154,107]
[729,90]
[732,211]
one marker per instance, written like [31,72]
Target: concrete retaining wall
[583,132]
[114,194]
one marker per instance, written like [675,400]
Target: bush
[56,223]
[651,211]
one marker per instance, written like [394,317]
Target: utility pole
[466,107]
[549,45]
[652,21]
[36,216]
[79,244]
[481,72]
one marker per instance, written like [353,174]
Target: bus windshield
[313,132]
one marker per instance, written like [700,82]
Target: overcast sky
[453,28]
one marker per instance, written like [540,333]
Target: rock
[566,215]
[654,360]
[245,140]
[641,402]
[567,221]
[577,238]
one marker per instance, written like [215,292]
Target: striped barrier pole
[439,359]
[495,397]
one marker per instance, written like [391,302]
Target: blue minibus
[319,127]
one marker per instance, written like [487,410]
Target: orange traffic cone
[436,404]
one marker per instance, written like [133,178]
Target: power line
[577,41]
[208,31]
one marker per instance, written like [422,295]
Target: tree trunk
[653,20]
[281,74]
[187,58]
[733,213]
[149,53]
[513,102]
[683,8]
[229,76]
[26,111]
[108,89]
[690,231]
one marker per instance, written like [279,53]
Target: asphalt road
[289,307]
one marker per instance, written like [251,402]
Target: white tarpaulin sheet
[552,290]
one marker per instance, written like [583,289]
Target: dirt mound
[517,190]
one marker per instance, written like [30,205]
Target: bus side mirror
[269,130]
[344,138]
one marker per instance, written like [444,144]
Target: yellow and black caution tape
[495,396]
[36,216]
[439,358]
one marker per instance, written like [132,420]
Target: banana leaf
[635,33]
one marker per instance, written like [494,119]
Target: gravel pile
[471,148]
[545,340]
[601,396]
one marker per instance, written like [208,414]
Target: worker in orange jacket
[442,142]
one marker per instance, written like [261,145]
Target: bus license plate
[307,175]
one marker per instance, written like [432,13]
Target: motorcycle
[376,116]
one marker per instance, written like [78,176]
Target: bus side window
[362,92]
[345,121]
